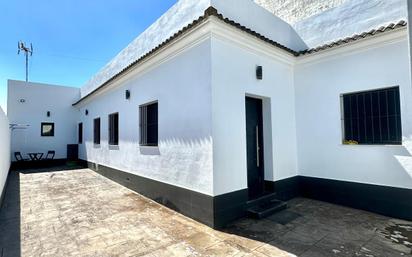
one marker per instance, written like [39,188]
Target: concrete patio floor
[77,212]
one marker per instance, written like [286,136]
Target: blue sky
[72,39]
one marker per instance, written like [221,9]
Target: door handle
[257,147]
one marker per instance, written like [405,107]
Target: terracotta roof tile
[373,32]
[211,11]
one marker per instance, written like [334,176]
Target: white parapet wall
[31,104]
[4,149]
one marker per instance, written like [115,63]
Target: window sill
[149,146]
[377,145]
[114,147]
[149,150]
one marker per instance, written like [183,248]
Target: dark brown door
[254,140]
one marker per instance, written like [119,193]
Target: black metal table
[35,156]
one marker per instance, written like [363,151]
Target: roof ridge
[355,37]
[212,11]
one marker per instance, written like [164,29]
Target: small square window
[47,129]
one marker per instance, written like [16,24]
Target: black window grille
[80,131]
[47,129]
[96,131]
[372,117]
[114,129]
[149,124]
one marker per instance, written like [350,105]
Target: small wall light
[48,113]
[259,72]
[86,112]
[22,100]
[127,94]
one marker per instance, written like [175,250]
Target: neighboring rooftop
[293,11]
[350,18]
[185,12]
[345,21]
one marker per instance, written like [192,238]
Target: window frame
[373,115]
[42,133]
[115,140]
[143,125]
[97,131]
[80,133]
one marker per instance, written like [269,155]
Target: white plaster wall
[40,98]
[233,77]
[4,149]
[293,11]
[257,18]
[351,17]
[318,113]
[182,88]
[410,31]
[185,12]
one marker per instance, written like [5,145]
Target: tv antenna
[27,51]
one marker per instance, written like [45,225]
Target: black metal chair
[19,157]
[50,155]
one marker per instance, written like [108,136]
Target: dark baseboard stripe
[285,189]
[3,191]
[389,201]
[37,164]
[220,210]
[190,203]
[229,207]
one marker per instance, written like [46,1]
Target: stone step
[266,209]
[261,200]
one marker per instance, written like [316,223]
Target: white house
[220,108]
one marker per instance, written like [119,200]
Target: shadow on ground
[66,212]
[10,240]
[310,228]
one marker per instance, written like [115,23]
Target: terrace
[72,211]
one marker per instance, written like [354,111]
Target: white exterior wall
[4,149]
[233,77]
[350,18]
[320,81]
[184,12]
[40,98]
[181,86]
[410,31]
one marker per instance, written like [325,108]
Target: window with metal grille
[114,129]
[149,124]
[80,131]
[372,117]
[96,131]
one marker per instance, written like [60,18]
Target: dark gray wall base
[220,210]
[385,200]
[216,212]
[285,189]
[229,207]
[3,192]
[37,164]
[190,203]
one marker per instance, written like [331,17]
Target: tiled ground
[80,213]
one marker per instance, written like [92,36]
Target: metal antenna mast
[27,51]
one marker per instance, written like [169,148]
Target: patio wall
[28,104]
[4,149]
